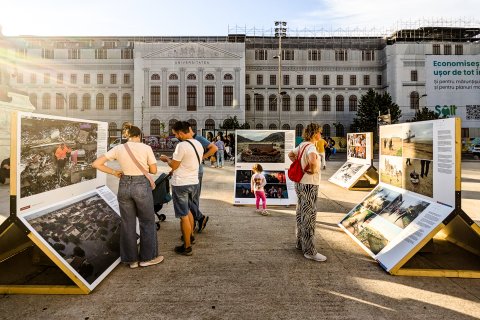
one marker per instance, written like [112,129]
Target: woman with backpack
[307,191]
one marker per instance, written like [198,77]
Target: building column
[146,99]
[201,90]
[182,91]
[236,89]
[164,98]
[218,88]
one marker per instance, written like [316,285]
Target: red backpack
[295,172]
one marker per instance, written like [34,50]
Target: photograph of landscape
[391,170]
[85,233]
[403,210]
[379,199]
[418,141]
[418,176]
[357,219]
[391,143]
[260,146]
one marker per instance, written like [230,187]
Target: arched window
[286,103]
[59,101]
[414,100]
[112,101]
[86,101]
[210,124]
[247,102]
[326,103]
[191,76]
[33,99]
[299,130]
[112,126]
[299,103]
[247,125]
[312,103]
[227,76]
[155,127]
[46,101]
[272,103]
[193,124]
[73,101]
[155,96]
[326,130]
[340,130]
[126,101]
[340,103]
[272,126]
[259,102]
[209,76]
[173,76]
[352,103]
[170,126]
[99,102]
[259,126]
[155,76]
[285,126]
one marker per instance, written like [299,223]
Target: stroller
[161,195]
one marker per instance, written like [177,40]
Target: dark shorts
[183,199]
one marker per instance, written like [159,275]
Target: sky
[221,17]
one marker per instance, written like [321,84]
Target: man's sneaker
[317,257]
[192,239]
[265,213]
[202,223]
[133,265]
[182,250]
[152,262]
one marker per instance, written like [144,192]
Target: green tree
[232,123]
[369,106]
[423,115]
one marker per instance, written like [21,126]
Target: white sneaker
[265,213]
[152,262]
[258,211]
[134,265]
[318,257]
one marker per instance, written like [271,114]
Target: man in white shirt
[185,164]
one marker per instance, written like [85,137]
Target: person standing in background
[220,152]
[321,145]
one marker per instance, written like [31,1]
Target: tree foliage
[232,123]
[369,106]
[423,115]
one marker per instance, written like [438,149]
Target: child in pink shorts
[258,183]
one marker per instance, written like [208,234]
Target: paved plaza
[245,266]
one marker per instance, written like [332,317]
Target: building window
[272,126]
[33,99]
[459,49]
[312,103]
[261,54]
[299,103]
[272,103]
[341,55]
[368,55]
[100,53]
[60,78]
[73,53]
[127,53]
[155,127]
[339,80]
[259,101]
[190,76]
[33,78]
[379,79]
[286,103]
[286,80]
[210,96]
[228,77]
[209,77]
[313,80]
[288,54]
[112,129]
[173,77]
[173,96]
[340,130]
[19,77]
[299,80]
[99,102]
[285,126]
[353,80]
[259,126]
[170,125]
[86,78]
[414,100]
[210,124]
[193,124]
[73,101]
[326,80]
[447,49]
[48,54]
[352,103]
[112,101]
[314,55]
[326,103]
[113,78]
[436,49]
[73,78]
[46,78]
[155,77]
[191,98]
[326,130]
[126,78]
[86,101]
[247,79]
[413,75]
[126,101]
[59,101]
[366,80]
[299,130]
[259,79]
[155,96]
[340,103]
[273,80]
[46,101]
[99,78]
[228,96]
[247,102]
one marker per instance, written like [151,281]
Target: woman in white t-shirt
[307,191]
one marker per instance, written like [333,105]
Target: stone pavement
[245,266]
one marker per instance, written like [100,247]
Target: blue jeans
[183,202]
[220,158]
[136,201]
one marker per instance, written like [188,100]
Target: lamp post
[142,104]
[280,32]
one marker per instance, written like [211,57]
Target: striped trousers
[306,217]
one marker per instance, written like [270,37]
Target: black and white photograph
[85,233]
[55,153]
[403,210]
[260,146]
[346,172]
[418,141]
